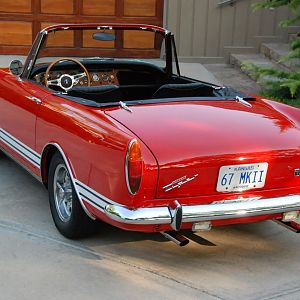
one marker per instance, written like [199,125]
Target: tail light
[134,167]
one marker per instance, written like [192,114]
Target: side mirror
[16,67]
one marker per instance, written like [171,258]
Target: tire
[68,215]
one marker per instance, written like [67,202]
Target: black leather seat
[182,90]
[102,93]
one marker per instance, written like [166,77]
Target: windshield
[143,45]
[103,65]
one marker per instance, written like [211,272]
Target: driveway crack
[19,228]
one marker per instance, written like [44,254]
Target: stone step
[229,76]
[258,59]
[276,52]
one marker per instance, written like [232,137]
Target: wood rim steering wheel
[66,81]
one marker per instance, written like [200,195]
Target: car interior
[124,81]
[105,80]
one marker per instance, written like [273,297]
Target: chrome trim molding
[176,215]
[152,215]
[125,107]
[34,99]
[243,101]
[210,212]
[242,209]
[39,179]
[26,152]
[99,200]
[176,184]
[71,176]
[83,192]
[126,166]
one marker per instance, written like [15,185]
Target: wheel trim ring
[61,204]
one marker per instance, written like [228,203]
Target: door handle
[34,99]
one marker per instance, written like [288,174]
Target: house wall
[21,20]
[207,32]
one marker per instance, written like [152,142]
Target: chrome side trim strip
[90,197]
[71,176]
[83,192]
[26,152]
[210,212]
[89,192]
[21,165]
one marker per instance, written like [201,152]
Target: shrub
[279,83]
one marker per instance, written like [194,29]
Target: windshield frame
[42,37]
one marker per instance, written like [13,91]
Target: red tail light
[134,167]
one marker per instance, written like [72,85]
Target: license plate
[239,178]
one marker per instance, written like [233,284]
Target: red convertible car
[130,141]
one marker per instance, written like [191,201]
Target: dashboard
[109,77]
[121,73]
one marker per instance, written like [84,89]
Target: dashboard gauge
[105,77]
[95,77]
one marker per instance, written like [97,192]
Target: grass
[292,102]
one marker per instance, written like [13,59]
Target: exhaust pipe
[293,226]
[175,237]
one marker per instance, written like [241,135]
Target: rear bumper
[176,214]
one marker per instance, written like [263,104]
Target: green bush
[280,84]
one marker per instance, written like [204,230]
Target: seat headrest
[180,90]
[102,93]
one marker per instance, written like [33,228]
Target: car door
[19,103]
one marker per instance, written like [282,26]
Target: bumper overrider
[176,214]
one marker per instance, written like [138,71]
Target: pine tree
[277,83]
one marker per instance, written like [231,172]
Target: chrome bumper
[178,214]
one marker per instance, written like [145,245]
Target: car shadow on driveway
[249,261]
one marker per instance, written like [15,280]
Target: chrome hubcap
[63,192]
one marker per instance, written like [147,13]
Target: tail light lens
[134,167]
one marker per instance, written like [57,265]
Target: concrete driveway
[254,261]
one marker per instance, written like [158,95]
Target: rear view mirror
[104,36]
[16,67]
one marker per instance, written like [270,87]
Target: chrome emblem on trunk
[297,172]
[176,184]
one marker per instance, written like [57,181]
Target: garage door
[20,20]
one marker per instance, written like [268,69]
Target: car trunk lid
[193,140]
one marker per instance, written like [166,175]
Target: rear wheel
[67,212]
